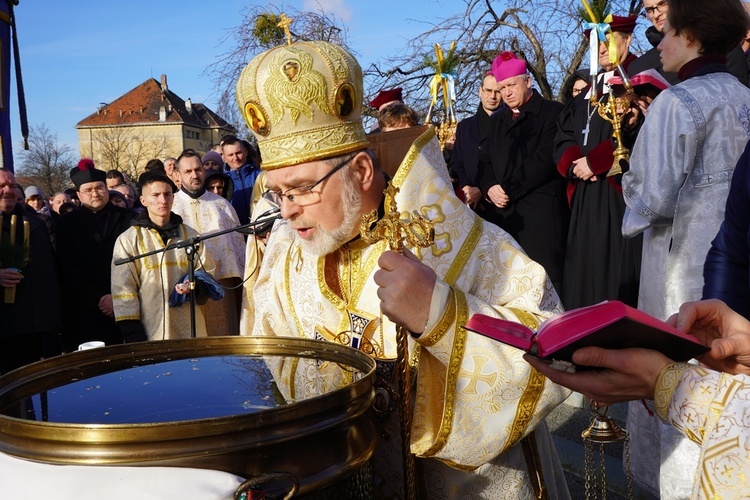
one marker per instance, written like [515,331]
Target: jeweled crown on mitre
[303,102]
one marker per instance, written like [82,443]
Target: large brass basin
[207,403]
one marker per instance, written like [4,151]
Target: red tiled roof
[142,106]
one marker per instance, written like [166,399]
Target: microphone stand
[191,248]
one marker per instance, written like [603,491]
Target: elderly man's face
[169,166]
[8,192]
[330,216]
[515,90]
[58,200]
[622,41]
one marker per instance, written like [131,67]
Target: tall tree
[257,31]
[47,161]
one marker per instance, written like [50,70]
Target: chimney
[162,114]
[189,106]
[164,87]
[120,113]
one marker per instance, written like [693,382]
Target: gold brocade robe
[475,398]
[141,289]
[206,214]
[713,410]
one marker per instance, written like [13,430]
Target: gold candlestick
[12,255]
[10,292]
[614,112]
[13,223]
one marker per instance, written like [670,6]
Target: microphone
[261,225]
[264,222]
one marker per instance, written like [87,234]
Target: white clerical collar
[602,77]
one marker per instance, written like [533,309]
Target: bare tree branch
[47,161]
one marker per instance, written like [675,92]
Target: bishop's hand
[405,289]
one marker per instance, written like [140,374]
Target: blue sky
[75,55]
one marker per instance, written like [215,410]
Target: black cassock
[85,243]
[599,263]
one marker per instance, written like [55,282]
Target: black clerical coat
[37,304]
[85,244]
[597,261]
[519,159]
[471,139]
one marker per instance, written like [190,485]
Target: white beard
[324,242]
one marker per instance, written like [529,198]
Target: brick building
[148,122]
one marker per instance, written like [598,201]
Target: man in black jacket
[519,176]
[656,12]
[85,242]
[30,322]
[471,139]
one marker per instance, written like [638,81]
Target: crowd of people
[536,211]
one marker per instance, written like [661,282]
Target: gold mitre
[303,102]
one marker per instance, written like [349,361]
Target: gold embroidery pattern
[443,326]
[295,85]
[122,318]
[159,260]
[311,144]
[525,318]
[454,367]
[411,157]
[245,89]
[465,252]
[665,387]
[526,406]
[711,456]
[288,288]
[358,273]
[442,242]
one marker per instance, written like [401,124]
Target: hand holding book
[625,372]
[609,325]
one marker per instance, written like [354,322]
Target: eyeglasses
[660,7]
[89,192]
[303,195]
[490,91]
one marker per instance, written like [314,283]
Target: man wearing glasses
[656,12]
[471,139]
[319,279]
[85,242]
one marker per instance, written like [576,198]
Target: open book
[611,325]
